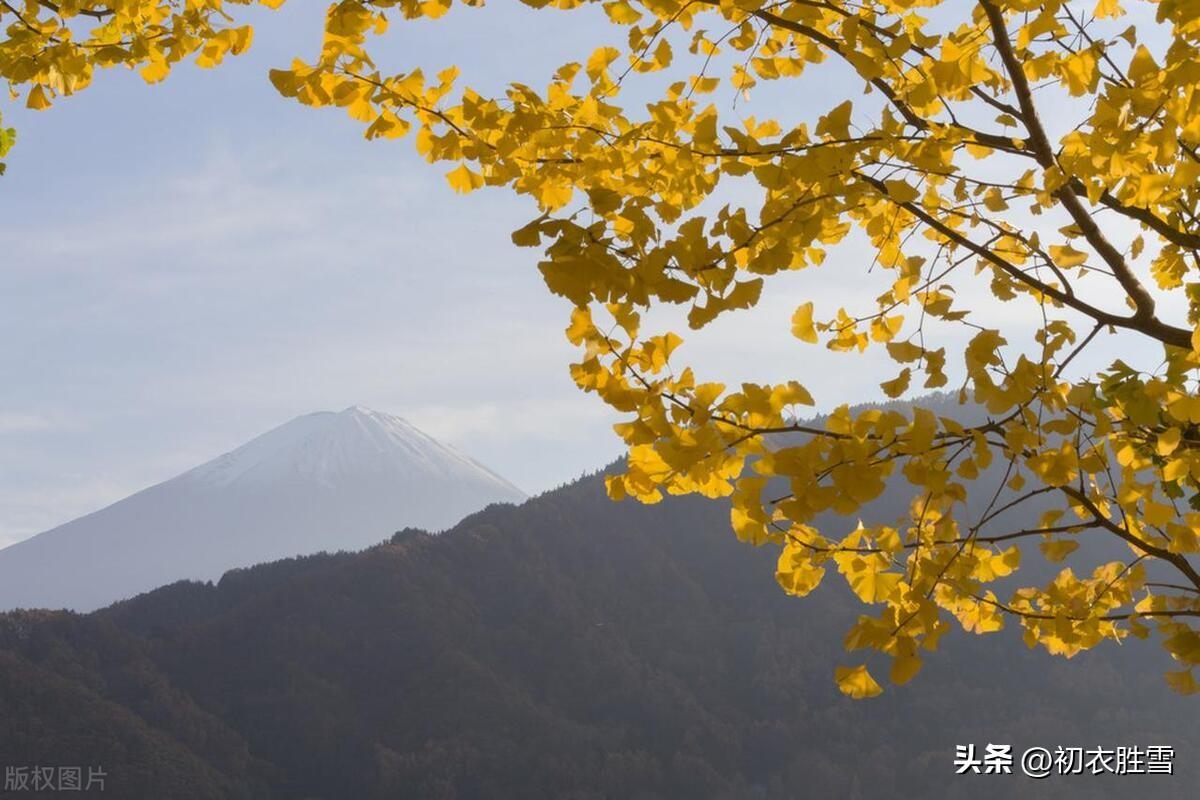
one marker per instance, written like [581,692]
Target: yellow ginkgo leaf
[898,385]
[795,571]
[1183,682]
[802,323]
[554,194]
[905,667]
[836,124]
[856,682]
[1059,549]
[1067,256]
[464,180]
[38,99]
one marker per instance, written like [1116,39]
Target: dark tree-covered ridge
[568,647]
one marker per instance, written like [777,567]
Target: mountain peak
[323,481]
[335,448]
[363,411]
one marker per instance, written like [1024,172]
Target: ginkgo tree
[1045,150]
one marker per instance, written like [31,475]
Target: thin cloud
[25,423]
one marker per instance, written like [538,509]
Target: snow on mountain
[324,481]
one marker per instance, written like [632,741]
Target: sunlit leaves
[1066,256]
[1056,551]
[802,323]
[797,571]
[836,124]
[856,682]
[983,252]
[905,666]
[1183,682]
[8,137]
[53,49]
[462,179]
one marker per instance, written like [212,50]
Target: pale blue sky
[189,264]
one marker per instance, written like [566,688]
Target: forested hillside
[568,647]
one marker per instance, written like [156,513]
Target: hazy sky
[187,265]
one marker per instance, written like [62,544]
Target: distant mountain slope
[566,648]
[325,481]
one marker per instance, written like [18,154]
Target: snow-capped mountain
[324,481]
